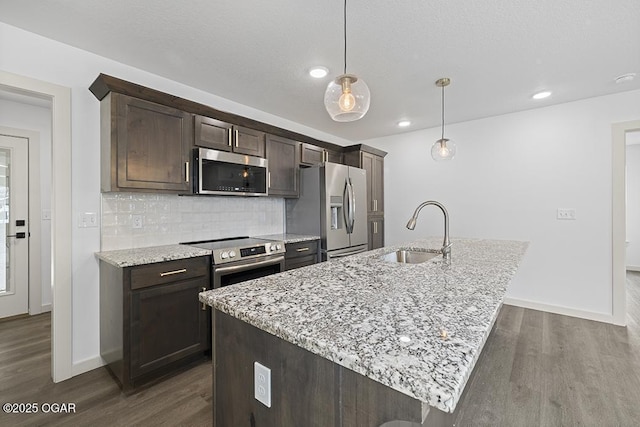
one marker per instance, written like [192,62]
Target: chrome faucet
[446,244]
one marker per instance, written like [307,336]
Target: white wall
[38,119]
[633,207]
[37,57]
[510,176]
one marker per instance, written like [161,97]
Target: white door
[14,226]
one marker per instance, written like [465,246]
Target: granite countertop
[140,256]
[148,255]
[289,237]
[417,328]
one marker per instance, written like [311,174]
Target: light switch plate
[262,384]
[566,213]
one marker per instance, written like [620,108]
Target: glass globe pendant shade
[347,98]
[443,149]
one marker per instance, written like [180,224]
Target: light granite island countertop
[415,328]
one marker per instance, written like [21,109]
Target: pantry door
[14,226]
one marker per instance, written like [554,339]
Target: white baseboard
[633,268]
[45,308]
[86,365]
[556,309]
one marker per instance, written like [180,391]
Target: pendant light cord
[442,112]
[345,36]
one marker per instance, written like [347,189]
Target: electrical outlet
[91,219]
[86,219]
[262,384]
[136,221]
[566,213]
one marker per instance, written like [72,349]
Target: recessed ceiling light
[542,95]
[404,123]
[318,72]
[625,78]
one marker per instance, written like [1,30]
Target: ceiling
[497,53]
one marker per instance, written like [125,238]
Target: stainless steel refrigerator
[332,205]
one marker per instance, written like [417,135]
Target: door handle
[237,137]
[229,136]
[20,235]
[186,171]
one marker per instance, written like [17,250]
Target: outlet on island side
[262,384]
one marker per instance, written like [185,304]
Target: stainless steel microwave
[223,173]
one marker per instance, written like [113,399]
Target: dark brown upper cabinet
[219,135]
[373,164]
[313,155]
[372,161]
[283,155]
[145,146]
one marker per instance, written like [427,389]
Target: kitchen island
[360,340]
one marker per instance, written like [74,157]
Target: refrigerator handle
[352,205]
[346,207]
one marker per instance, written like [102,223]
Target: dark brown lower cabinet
[300,254]
[376,232]
[151,322]
[306,389]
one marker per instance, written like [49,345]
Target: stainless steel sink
[405,256]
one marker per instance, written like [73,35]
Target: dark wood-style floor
[537,369]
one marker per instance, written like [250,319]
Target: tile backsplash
[168,219]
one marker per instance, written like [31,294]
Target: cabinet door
[376,232]
[212,133]
[248,141]
[283,156]
[312,155]
[334,156]
[374,166]
[153,145]
[167,324]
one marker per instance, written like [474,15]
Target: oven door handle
[231,268]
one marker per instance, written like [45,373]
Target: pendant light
[347,97]
[443,149]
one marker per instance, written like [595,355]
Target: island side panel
[301,384]
[306,389]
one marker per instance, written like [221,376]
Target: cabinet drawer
[300,249]
[303,261]
[169,271]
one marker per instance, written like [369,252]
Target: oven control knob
[232,254]
[273,247]
[224,255]
[278,246]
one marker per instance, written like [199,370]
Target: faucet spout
[446,244]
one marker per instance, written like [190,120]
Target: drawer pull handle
[171,273]
[204,306]
[303,249]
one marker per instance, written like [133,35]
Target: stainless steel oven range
[242,258]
